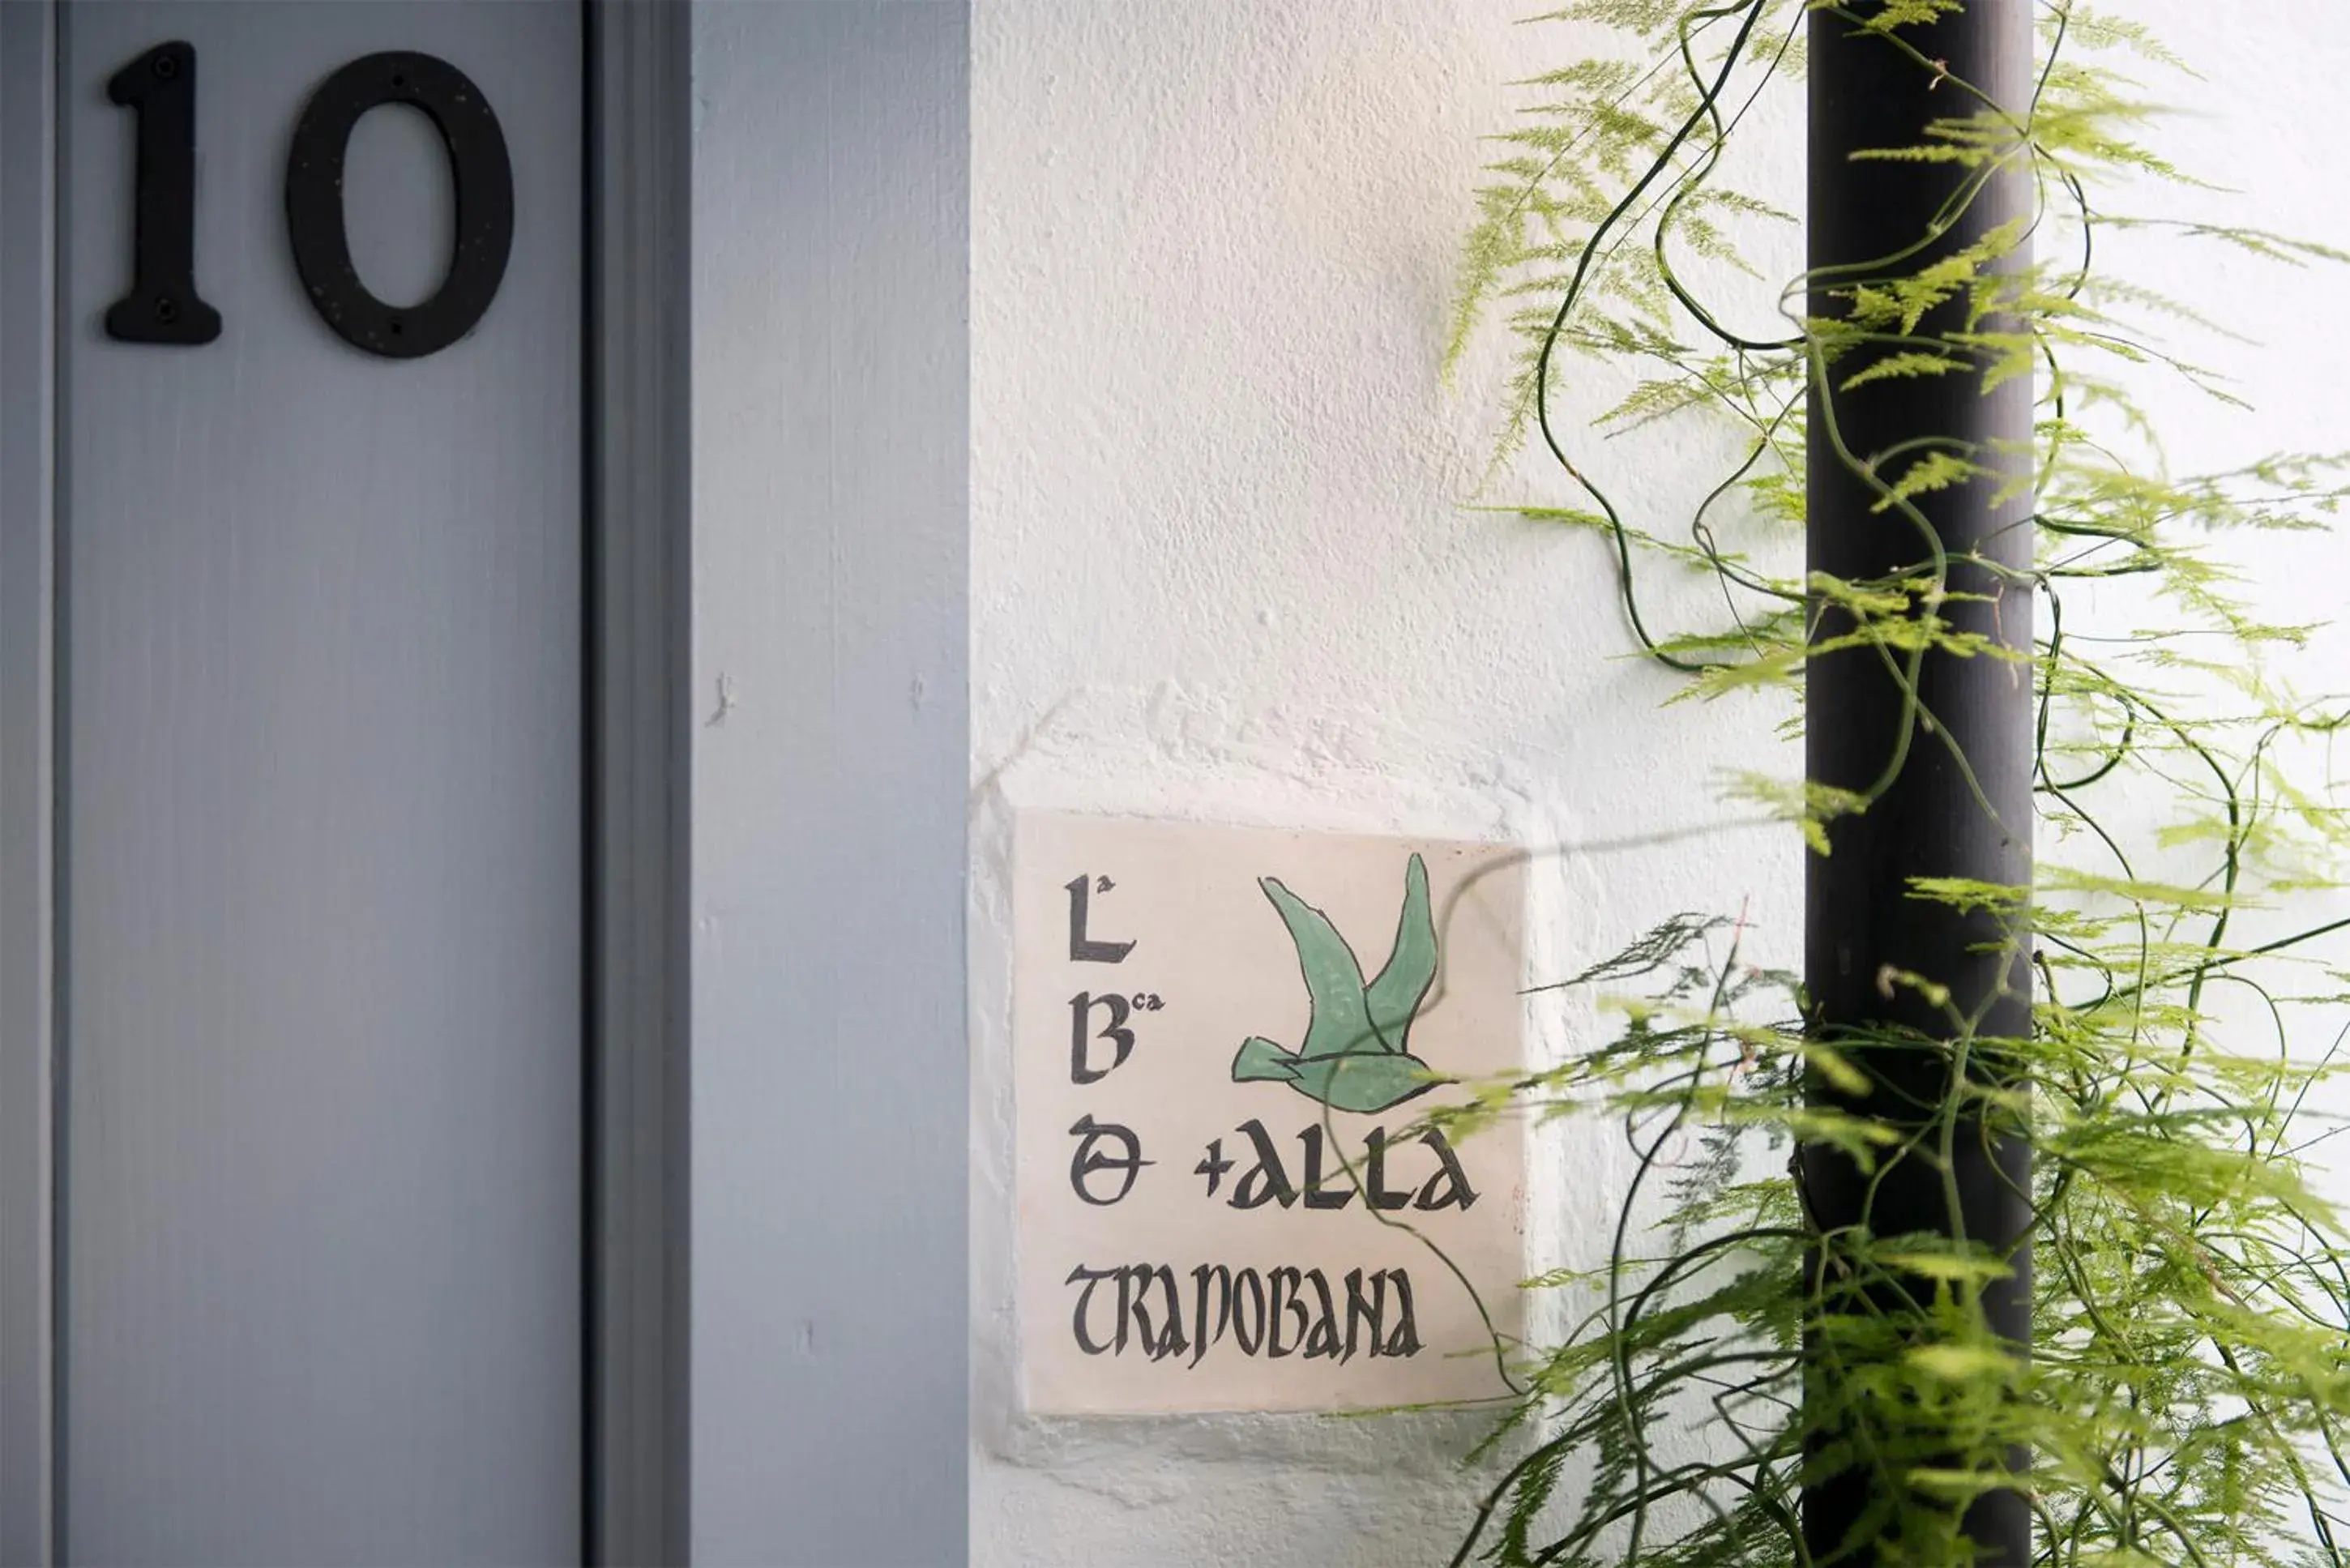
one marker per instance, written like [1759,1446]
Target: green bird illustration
[1353,1056]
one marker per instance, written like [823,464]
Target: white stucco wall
[1220,568]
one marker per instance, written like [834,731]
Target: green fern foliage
[2187,1388]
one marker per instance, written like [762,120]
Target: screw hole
[166,67]
[167,311]
[397,326]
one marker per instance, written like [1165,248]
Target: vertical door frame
[636,451]
[832,694]
[28,118]
[639,485]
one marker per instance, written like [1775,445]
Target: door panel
[321,753]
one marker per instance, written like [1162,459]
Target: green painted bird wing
[1333,978]
[1396,996]
[1374,1081]
[1259,1060]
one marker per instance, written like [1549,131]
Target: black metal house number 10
[163,306]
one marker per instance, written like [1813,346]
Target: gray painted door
[321,753]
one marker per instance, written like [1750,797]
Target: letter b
[1081,1038]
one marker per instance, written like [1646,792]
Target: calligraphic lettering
[1084,1164]
[1273,1313]
[1083,947]
[1082,1037]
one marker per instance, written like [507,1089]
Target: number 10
[163,306]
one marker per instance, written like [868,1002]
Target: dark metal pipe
[1861,921]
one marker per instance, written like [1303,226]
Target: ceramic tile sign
[1227,1041]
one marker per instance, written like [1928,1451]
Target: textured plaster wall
[1220,568]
